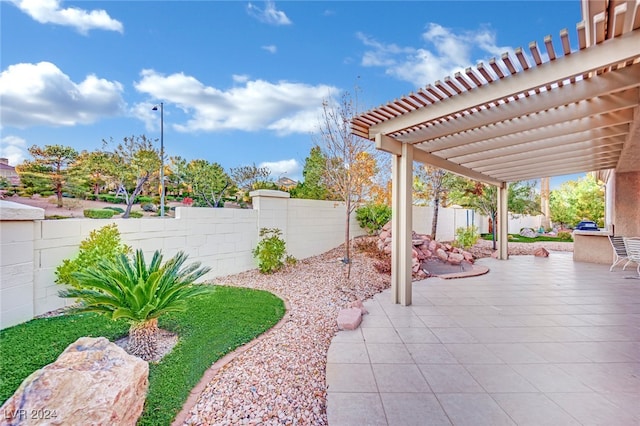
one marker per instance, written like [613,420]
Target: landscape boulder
[349,318]
[93,382]
[528,233]
[541,252]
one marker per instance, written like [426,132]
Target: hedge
[99,213]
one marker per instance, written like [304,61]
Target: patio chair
[619,252]
[633,251]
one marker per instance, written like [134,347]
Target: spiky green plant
[129,288]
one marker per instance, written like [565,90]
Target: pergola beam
[589,89]
[516,152]
[392,146]
[597,107]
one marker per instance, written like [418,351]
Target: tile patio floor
[534,342]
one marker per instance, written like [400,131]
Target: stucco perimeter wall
[32,248]
[451,218]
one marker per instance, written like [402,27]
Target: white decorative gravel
[281,380]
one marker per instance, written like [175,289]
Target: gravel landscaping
[281,379]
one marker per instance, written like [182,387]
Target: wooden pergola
[518,117]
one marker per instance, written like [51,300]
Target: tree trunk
[493,229]
[143,339]
[346,259]
[434,221]
[134,195]
[59,194]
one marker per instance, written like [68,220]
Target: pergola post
[401,226]
[503,222]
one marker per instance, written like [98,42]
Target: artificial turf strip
[213,325]
[516,238]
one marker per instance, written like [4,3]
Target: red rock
[384,235]
[455,258]
[349,319]
[541,252]
[442,255]
[433,245]
[358,304]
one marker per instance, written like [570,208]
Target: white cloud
[240,78]
[14,148]
[282,168]
[444,53]
[283,107]
[268,15]
[270,48]
[50,12]
[41,94]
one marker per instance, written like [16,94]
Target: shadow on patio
[535,341]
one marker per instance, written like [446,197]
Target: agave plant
[129,288]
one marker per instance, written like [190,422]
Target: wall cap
[269,193]
[16,211]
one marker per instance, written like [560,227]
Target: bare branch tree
[350,165]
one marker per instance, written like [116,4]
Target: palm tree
[140,293]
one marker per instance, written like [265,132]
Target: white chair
[619,252]
[633,251]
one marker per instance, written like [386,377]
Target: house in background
[286,183]
[8,172]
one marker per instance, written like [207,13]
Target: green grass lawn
[214,325]
[517,238]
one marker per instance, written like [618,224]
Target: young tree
[249,178]
[431,184]
[208,181]
[313,187]
[50,164]
[576,200]
[484,198]
[91,170]
[134,161]
[350,167]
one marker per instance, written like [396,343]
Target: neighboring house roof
[286,182]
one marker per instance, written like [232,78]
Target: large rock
[349,318]
[93,382]
[541,252]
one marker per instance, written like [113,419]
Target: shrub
[372,217]
[98,213]
[103,243]
[270,251]
[467,237]
[135,214]
[564,235]
[118,210]
[138,292]
[148,207]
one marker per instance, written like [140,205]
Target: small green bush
[564,235]
[118,210]
[270,251]
[102,244]
[467,237]
[135,214]
[372,217]
[98,213]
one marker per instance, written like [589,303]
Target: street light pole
[155,108]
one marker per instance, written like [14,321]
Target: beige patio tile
[413,409]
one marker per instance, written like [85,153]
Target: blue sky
[242,82]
